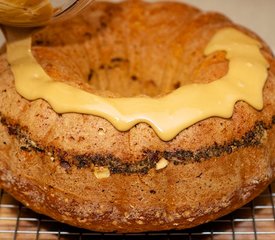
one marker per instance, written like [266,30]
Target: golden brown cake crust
[47,160]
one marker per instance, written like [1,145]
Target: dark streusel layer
[180,156]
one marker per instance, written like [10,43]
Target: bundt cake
[81,169]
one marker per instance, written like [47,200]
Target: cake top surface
[169,114]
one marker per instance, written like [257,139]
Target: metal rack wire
[254,221]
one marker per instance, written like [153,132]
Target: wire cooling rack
[254,221]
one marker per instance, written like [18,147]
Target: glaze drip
[167,115]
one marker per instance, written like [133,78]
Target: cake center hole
[117,77]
